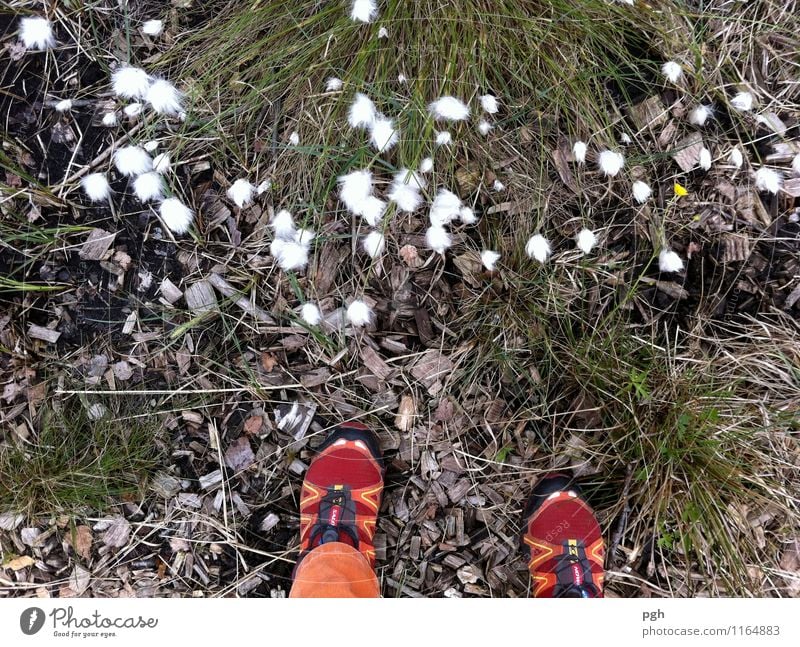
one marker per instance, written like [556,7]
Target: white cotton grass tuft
[294,138]
[743,101]
[443,138]
[109,119]
[333,84]
[304,237]
[383,133]
[586,240]
[768,180]
[364,10]
[133,109]
[406,197]
[445,208]
[699,115]
[796,164]
[153,27]
[489,103]
[641,191]
[372,210]
[449,108]
[426,165]
[489,259]
[538,248]
[130,82]
[672,70]
[405,190]
[374,244]
[311,314]
[96,187]
[164,98]
[669,261]
[65,105]
[579,151]
[292,256]
[484,127]
[383,33]
[354,188]
[736,158]
[36,32]
[705,159]
[625,139]
[610,162]
[401,78]
[362,112]
[498,186]
[150,146]
[176,215]
[132,160]
[359,313]
[467,215]
[263,187]
[438,239]
[148,186]
[282,224]
[162,163]
[241,192]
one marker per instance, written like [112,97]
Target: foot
[562,541]
[342,491]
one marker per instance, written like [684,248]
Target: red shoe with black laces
[342,490]
[562,541]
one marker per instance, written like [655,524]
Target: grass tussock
[76,464]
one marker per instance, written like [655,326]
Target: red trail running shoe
[342,491]
[562,541]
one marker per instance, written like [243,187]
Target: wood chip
[269,522]
[239,455]
[165,485]
[200,297]
[79,579]
[96,245]
[792,187]
[431,368]
[9,521]
[18,563]
[667,287]
[649,114]
[123,371]
[375,363]
[295,419]
[118,533]
[211,480]
[687,154]
[736,247]
[45,334]
[170,291]
[81,541]
[227,290]
[406,413]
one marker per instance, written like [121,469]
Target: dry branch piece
[45,334]
[241,301]
[200,297]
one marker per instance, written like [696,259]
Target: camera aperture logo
[31,620]
[67,624]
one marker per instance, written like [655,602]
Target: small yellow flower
[680,190]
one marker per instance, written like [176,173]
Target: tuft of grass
[76,464]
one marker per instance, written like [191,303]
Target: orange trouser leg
[335,570]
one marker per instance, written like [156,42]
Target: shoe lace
[574,574]
[336,519]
